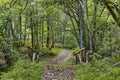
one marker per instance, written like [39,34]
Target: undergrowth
[27,70]
[53,51]
[24,70]
[103,69]
[99,70]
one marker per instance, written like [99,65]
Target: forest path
[55,72]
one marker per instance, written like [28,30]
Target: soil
[55,72]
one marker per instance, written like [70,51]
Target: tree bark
[94,26]
[82,28]
[48,32]
[88,26]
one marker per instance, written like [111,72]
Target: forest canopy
[37,29]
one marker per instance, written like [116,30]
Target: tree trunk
[82,28]
[94,25]
[8,31]
[48,33]
[32,33]
[42,35]
[52,36]
[88,26]
[25,29]
[20,23]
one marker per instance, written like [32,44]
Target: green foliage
[70,41]
[113,74]
[18,17]
[99,70]
[45,50]
[7,49]
[24,70]
[23,49]
[53,51]
[69,45]
[75,51]
[116,57]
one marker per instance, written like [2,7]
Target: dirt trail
[55,72]
[62,57]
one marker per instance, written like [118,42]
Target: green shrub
[45,50]
[23,49]
[9,51]
[75,51]
[53,51]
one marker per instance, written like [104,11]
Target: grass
[24,70]
[27,70]
[95,70]
[99,70]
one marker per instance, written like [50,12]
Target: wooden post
[34,56]
[78,56]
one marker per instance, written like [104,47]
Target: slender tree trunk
[36,30]
[32,33]
[20,23]
[63,36]
[88,26]
[13,34]
[12,31]
[82,28]
[94,25]
[42,35]
[20,18]
[48,33]
[8,31]
[60,37]
[25,29]
[37,37]
[52,36]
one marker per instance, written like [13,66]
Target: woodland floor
[55,72]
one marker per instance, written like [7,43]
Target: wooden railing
[79,57]
[34,54]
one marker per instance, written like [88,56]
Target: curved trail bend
[55,72]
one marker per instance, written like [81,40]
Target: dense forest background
[31,31]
